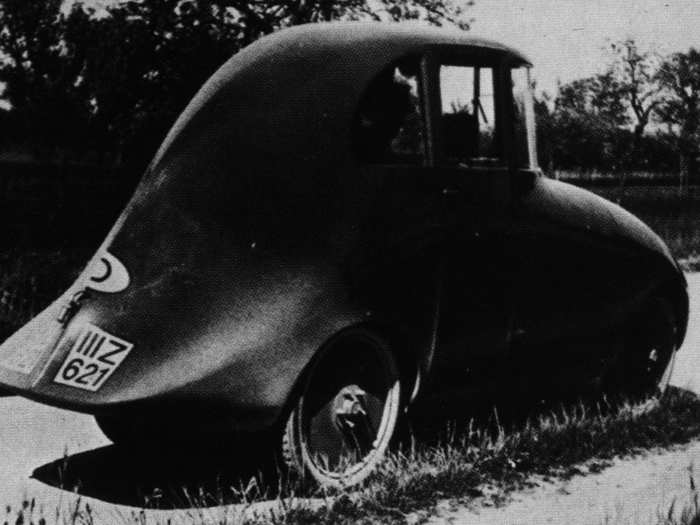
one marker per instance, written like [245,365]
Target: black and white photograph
[350,261]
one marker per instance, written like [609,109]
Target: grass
[655,198]
[616,178]
[31,280]
[672,214]
[481,464]
[475,467]
[689,514]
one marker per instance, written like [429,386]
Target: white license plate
[94,356]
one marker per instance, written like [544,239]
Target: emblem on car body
[106,273]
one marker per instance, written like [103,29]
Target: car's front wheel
[645,361]
[343,420]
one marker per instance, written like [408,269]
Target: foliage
[584,126]
[601,121]
[110,82]
[679,74]
[104,85]
[634,84]
[42,71]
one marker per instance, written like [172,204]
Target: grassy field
[674,215]
[31,279]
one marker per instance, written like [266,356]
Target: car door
[398,204]
[438,182]
[471,159]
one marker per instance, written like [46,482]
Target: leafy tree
[633,82]
[114,81]
[679,75]
[41,71]
[600,122]
[583,127]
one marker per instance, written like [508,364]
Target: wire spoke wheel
[341,425]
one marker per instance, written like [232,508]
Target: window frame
[474,58]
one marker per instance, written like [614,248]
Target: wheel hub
[654,355]
[352,418]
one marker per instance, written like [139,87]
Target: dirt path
[686,373]
[630,492]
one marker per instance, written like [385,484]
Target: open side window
[467,118]
[389,123]
[468,114]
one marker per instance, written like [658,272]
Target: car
[347,218]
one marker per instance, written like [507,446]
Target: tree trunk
[693,168]
[684,171]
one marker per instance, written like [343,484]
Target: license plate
[94,356]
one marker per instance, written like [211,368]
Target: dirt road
[686,373]
[34,438]
[631,492]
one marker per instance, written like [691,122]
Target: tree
[265,16]
[601,121]
[123,77]
[634,83]
[41,71]
[679,75]
[583,128]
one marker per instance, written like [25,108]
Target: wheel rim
[657,366]
[656,348]
[348,413]
[642,359]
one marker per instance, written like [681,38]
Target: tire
[340,426]
[645,362]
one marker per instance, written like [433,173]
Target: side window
[388,127]
[468,114]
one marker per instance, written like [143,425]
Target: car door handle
[450,190]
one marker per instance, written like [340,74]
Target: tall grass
[31,280]
[689,514]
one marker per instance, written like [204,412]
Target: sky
[569,39]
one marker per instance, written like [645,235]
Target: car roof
[293,94]
[366,36]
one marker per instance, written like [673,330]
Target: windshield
[524,114]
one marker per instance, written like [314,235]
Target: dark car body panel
[255,236]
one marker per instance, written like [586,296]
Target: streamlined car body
[346,216]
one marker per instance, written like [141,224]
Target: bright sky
[566,39]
